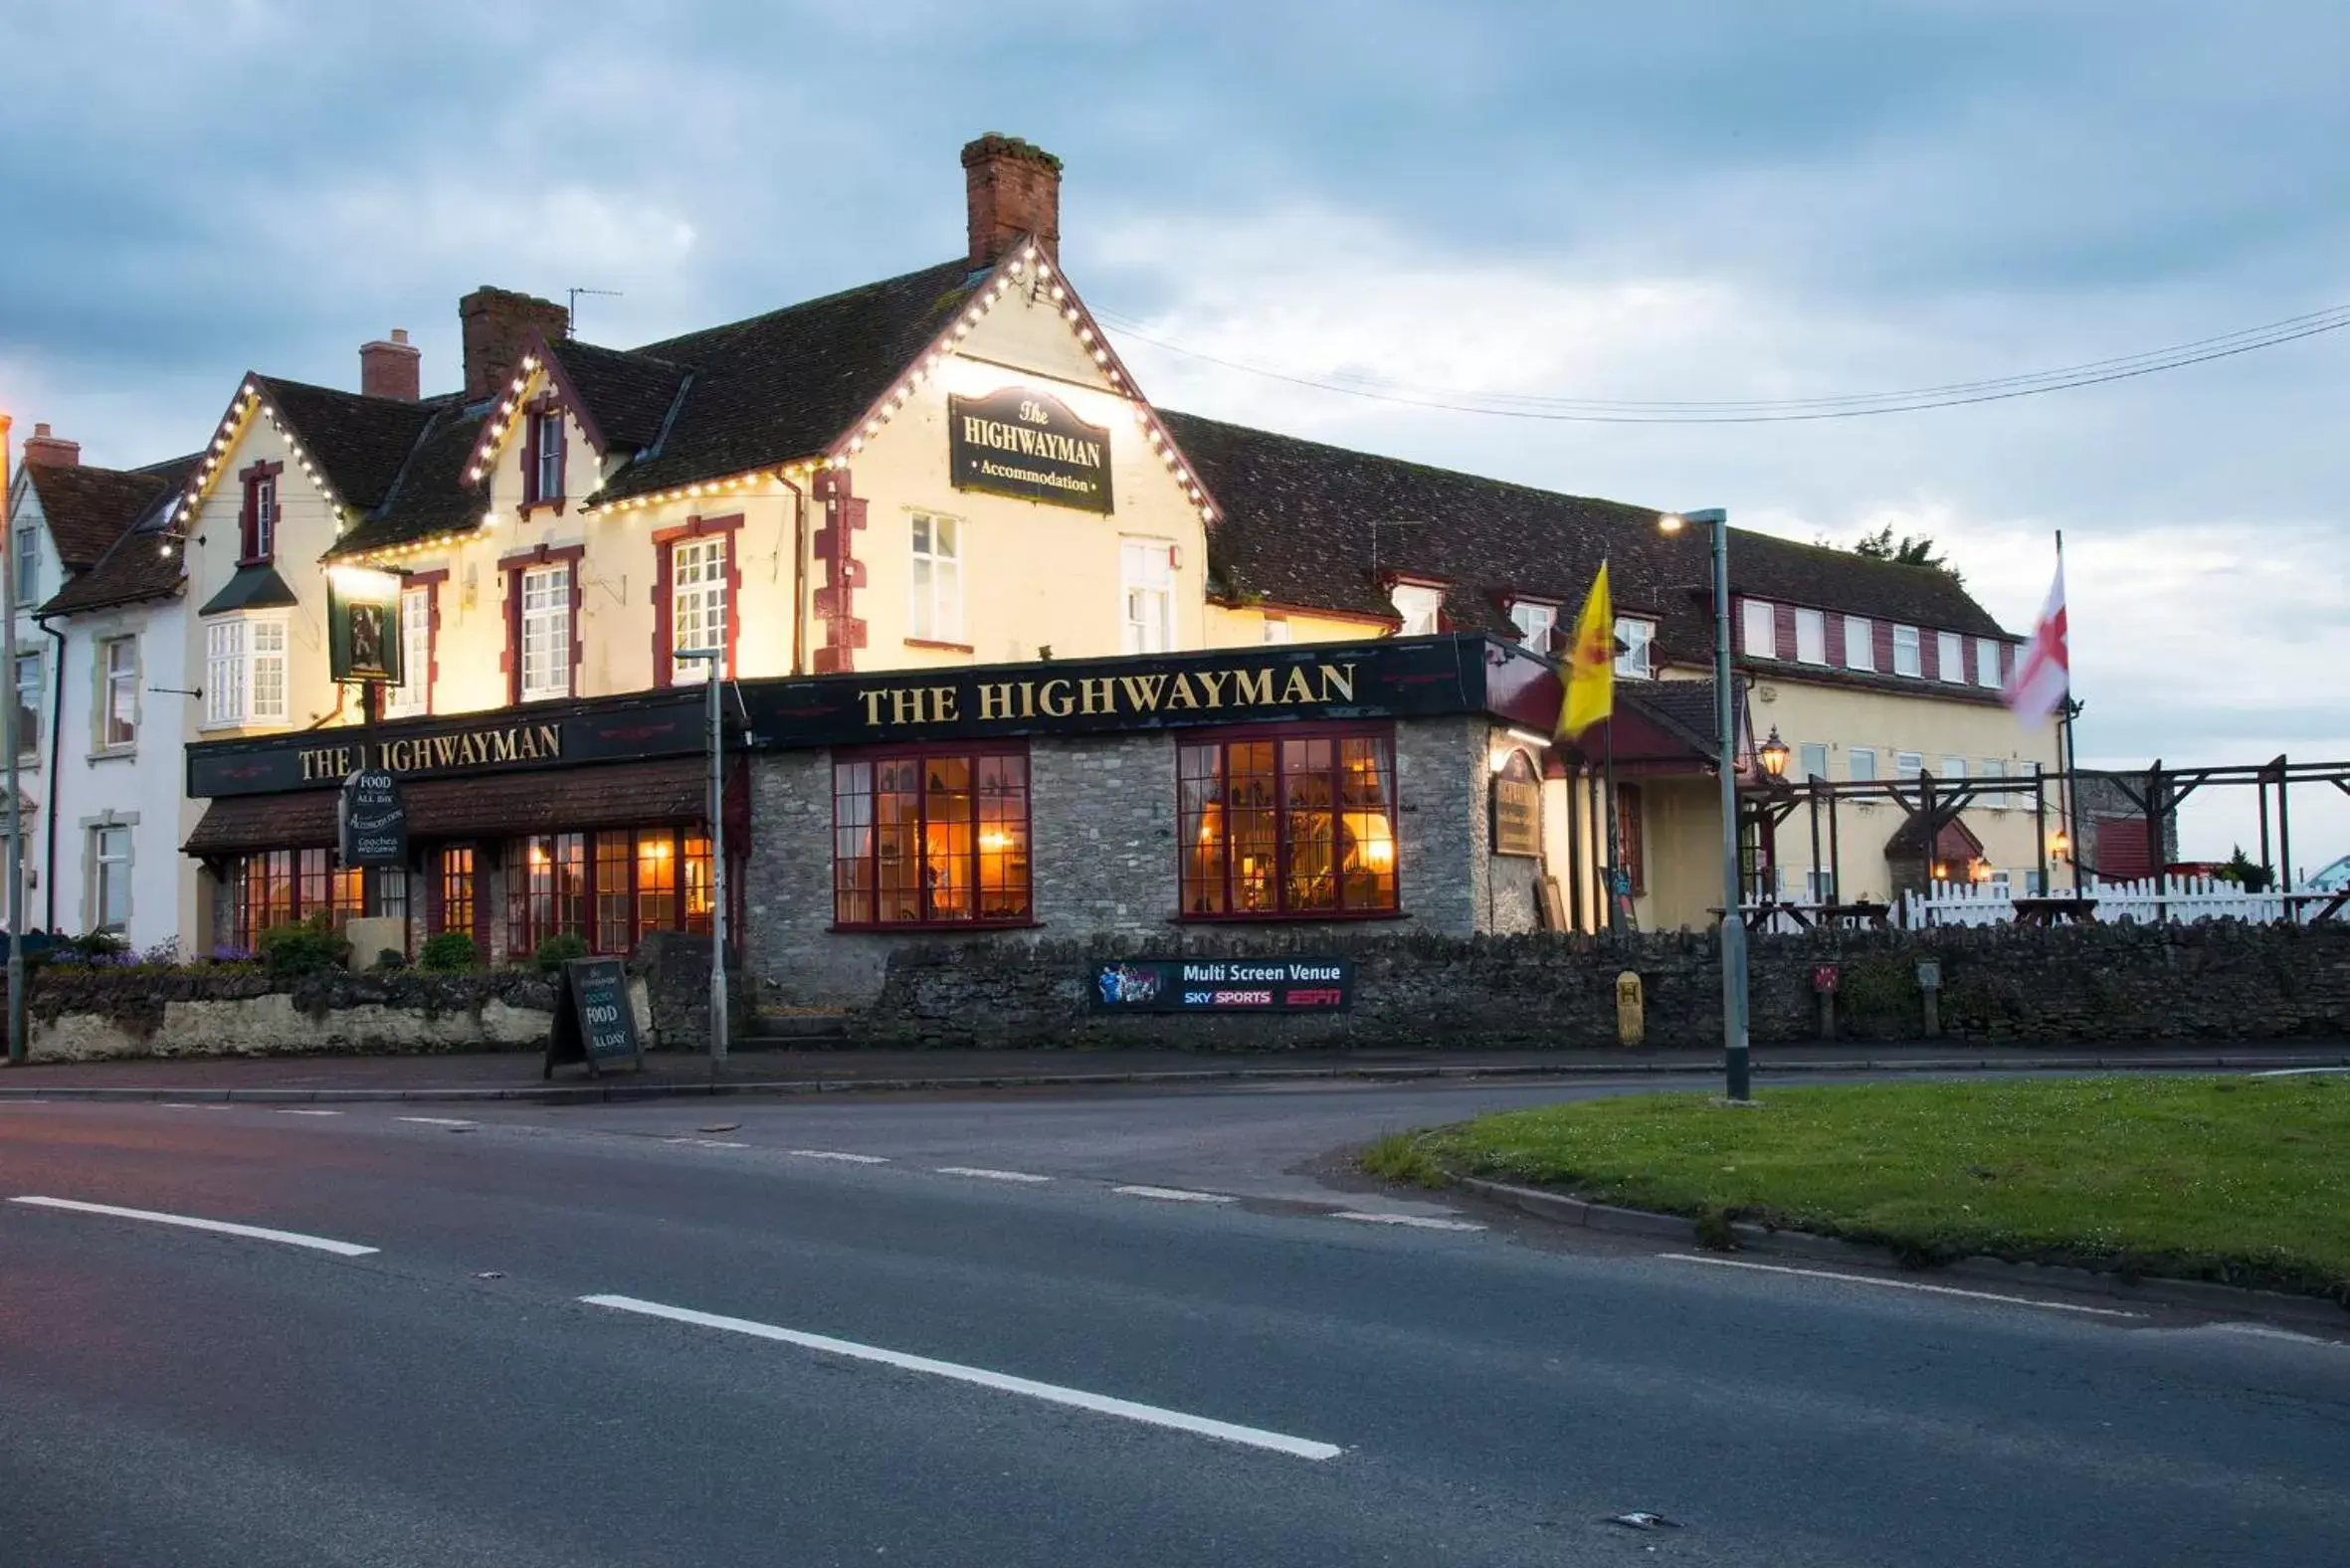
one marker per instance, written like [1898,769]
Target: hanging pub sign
[1025,443]
[372,819]
[1517,808]
[1223,985]
[363,624]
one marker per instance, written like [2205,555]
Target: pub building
[1015,650]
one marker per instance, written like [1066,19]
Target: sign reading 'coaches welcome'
[1024,443]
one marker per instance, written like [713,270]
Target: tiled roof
[131,567]
[360,442]
[626,395]
[1299,531]
[87,508]
[255,587]
[429,497]
[782,385]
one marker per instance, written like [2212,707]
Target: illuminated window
[1299,824]
[546,891]
[546,632]
[454,904]
[697,603]
[931,838]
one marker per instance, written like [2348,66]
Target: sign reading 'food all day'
[1025,443]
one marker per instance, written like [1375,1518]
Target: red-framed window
[542,622]
[1630,851]
[453,906]
[1293,821]
[281,887]
[257,523]
[931,835]
[420,645]
[544,443]
[696,589]
[610,888]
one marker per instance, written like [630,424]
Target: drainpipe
[799,574]
[56,727]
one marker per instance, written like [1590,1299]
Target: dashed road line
[982,1173]
[1899,1284]
[834,1154]
[2265,1331]
[303,1110]
[1420,1222]
[436,1121]
[259,1232]
[1174,1194]
[1003,1382]
[707,1144]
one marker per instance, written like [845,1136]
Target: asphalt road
[968,1345]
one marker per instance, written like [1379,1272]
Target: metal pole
[2284,838]
[1614,831]
[16,799]
[1733,925]
[2040,820]
[718,670]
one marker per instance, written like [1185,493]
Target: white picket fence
[2185,899]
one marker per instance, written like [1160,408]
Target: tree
[1911,549]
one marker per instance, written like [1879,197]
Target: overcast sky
[1663,201]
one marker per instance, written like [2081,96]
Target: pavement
[517,1074]
[1068,1325]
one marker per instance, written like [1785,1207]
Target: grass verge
[2245,1180]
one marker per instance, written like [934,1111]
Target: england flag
[2044,672]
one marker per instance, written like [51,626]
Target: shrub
[451,952]
[305,946]
[390,958]
[556,951]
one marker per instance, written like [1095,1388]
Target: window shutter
[665,614]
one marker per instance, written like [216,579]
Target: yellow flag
[1591,663]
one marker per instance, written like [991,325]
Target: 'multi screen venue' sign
[1028,443]
[1222,985]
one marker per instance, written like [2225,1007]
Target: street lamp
[1773,755]
[1734,927]
[716,657]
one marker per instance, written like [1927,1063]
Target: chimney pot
[391,368]
[50,451]
[499,327]
[1011,188]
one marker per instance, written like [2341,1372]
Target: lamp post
[1725,724]
[716,658]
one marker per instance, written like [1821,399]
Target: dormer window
[1635,637]
[543,456]
[1536,622]
[1420,605]
[257,523]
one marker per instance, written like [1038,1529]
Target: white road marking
[834,1154]
[1050,1393]
[2298,1071]
[189,1105]
[1174,1194]
[984,1174]
[2264,1331]
[1417,1220]
[707,1144]
[1902,1285]
[436,1121]
[258,1233]
[296,1110]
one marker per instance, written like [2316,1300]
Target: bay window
[245,670]
[931,835]
[1293,824]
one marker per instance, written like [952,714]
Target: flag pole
[2068,755]
[1615,903]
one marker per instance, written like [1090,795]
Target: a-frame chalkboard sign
[593,1023]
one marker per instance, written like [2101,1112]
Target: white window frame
[264,518]
[697,607]
[934,545]
[110,874]
[1278,629]
[1811,637]
[1952,768]
[28,563]
[1637,660]
[1146,595]
[1950,658]
[1908,660]
[113,698]
[1994,800]
[1987,663]
[1908,765]
[1805,772]
[1758,629]
[1854,759]
[1860,644]
[246,671]
[1422,607]
[414,695]
[28,720]
[1535,621]
[545,631]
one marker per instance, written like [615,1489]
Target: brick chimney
[1011,188]
[499,326]
[390,369]
[50,451]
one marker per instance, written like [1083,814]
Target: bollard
[1631,1012]
[1823,983]
[1929,986]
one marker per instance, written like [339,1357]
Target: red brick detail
[839,573]
[1011,188]
[391,368]
[499,327]
[45,451]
